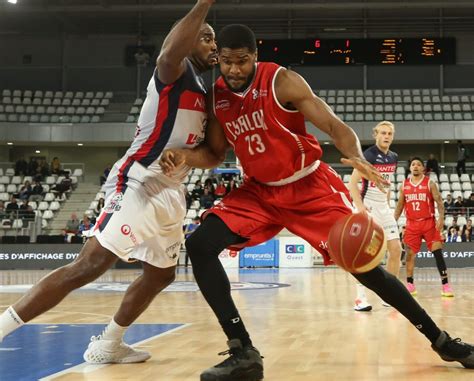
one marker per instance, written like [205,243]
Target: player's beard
[244,87]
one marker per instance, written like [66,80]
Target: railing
[20,223]
[70,167]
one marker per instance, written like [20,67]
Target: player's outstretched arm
[439,202]
[400,205]
[354,190]
[293,92]
[180,41]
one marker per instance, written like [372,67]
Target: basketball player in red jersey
[259,109]
[417,198]
[173,112]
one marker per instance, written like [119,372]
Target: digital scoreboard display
[387,51]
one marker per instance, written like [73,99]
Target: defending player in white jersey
[372,200]
[144,210]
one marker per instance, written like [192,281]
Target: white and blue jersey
[386,164]
[172,116]
[374,199]
[144,209]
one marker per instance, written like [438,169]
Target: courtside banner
[263,255]
[455,254]
[35,256]
[295,252]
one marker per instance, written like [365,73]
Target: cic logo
[294,249]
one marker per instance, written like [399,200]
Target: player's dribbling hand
[171,159]
[368,172]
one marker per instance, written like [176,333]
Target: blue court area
[39,350]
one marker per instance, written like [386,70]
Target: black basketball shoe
[454,350]
[243,364]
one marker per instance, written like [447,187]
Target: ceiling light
[37,151]
[9,143]
[446,141]
[80,144]
[12,1]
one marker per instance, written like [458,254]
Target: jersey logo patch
[192,139]
[114,204]
[223,105]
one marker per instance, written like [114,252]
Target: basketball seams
[363,243]
[341,241]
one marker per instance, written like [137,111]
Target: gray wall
[96,62]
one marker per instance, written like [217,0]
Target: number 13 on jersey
[255,144]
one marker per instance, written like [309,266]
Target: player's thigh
[246,213]
[433,237]
[412,239]
[130,218]
[315,222]
[383,215]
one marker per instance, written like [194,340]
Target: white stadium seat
[49,197]
[48,214]
[43,205]
[443,178]
[54,206]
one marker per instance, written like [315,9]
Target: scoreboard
[387,51]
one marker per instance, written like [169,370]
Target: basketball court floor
[301,320]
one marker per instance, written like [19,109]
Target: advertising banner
[295,252]
[33,256]
[455,254]
[229,258]
[263,255]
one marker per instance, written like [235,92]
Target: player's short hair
[418,159]
[383,123]
[237,36]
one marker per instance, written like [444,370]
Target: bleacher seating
[398,105]
[49,107]
[134,111]
[45,209]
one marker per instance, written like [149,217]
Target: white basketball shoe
[102,351]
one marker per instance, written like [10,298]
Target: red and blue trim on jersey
[172,97]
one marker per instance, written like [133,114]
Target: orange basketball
[357,243]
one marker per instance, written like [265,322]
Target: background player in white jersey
[144,211]
[372,200]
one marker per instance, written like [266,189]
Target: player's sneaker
[102,351]
[243,363]
[446,290]
[362,306]
[411,289]
[454,350]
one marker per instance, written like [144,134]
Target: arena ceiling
[292,18]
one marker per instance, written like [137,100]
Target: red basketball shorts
[418,230]
[308,208]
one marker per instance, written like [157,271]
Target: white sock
[361,292]
[114,331]
[9,321]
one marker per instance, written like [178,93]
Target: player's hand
[440,224]
[368,172]
[171,159]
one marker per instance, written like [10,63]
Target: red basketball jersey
[270,141]
[419,202]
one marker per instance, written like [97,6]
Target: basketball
[357,243]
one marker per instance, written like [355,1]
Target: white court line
[87,368]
